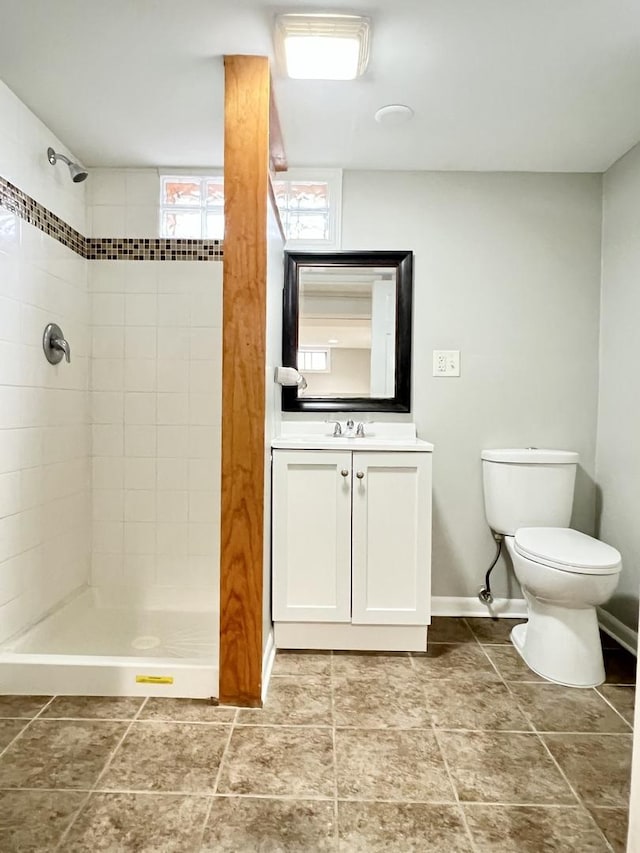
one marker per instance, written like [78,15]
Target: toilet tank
[528,488]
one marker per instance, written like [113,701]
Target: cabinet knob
[344,472]
[360,475]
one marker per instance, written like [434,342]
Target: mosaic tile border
[105,248]
[27,208]
[143,249]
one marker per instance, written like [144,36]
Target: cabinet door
[391,538]
[311,536]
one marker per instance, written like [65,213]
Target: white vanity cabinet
[351,548]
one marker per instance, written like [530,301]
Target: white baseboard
[627,637]
[516,608]
[444,605]
[268,659]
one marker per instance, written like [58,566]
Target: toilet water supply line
[485,595]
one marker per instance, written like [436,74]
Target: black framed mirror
[347,329]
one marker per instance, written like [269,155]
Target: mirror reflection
[346,331]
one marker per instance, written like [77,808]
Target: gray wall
[618,449]
[507,269]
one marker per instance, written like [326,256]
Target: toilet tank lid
[562,546]
[531,456]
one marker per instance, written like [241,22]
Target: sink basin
[381,437]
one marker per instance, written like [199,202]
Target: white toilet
[564,574]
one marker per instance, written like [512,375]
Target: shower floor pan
[102,644]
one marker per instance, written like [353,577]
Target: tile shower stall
[109,465]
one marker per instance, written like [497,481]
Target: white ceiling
[535,85]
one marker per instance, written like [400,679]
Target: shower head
[77,173]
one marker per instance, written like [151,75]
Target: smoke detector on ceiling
[393,115]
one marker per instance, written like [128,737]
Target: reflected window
[314,360]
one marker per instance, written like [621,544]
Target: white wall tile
[44,410]
[173,375]
[140,440]
[139,537]
[142,221]
[107,473]
[172,539]
[157,349]
[140,505]
[140,408]
[108,221]
[173,309]
[107,309]
[141,277]
[108,504]
[107,374]
[142,187]
[173,474]
[140,309]
[108,342]
[172,409]
[173,506]
[140,342]
[140,374]
[107,187]
[107,407]
[140,472]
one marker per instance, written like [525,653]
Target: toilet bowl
[564,576]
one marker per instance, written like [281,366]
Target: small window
[309,202]
[314,361]
[192,206]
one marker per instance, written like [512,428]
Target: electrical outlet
[446,362]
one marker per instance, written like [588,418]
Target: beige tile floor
[460,749]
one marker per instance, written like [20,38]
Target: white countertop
[318,435]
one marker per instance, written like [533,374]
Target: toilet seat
[567,550]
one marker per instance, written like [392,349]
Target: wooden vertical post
[246,187]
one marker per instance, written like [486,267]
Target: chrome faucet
[55,345]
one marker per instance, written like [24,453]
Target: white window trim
[332,177]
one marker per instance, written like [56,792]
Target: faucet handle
[55,345]
[337,429]
[360,430]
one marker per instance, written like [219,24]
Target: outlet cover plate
[446,362]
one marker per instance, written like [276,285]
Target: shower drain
[145,642]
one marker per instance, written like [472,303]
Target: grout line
[560,770]
[613,707]
[27,723]
[311,797]
[94,787]
[207,815]
[453,787]
[224,754]
[336,828]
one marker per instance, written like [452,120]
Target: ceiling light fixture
[322,46]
